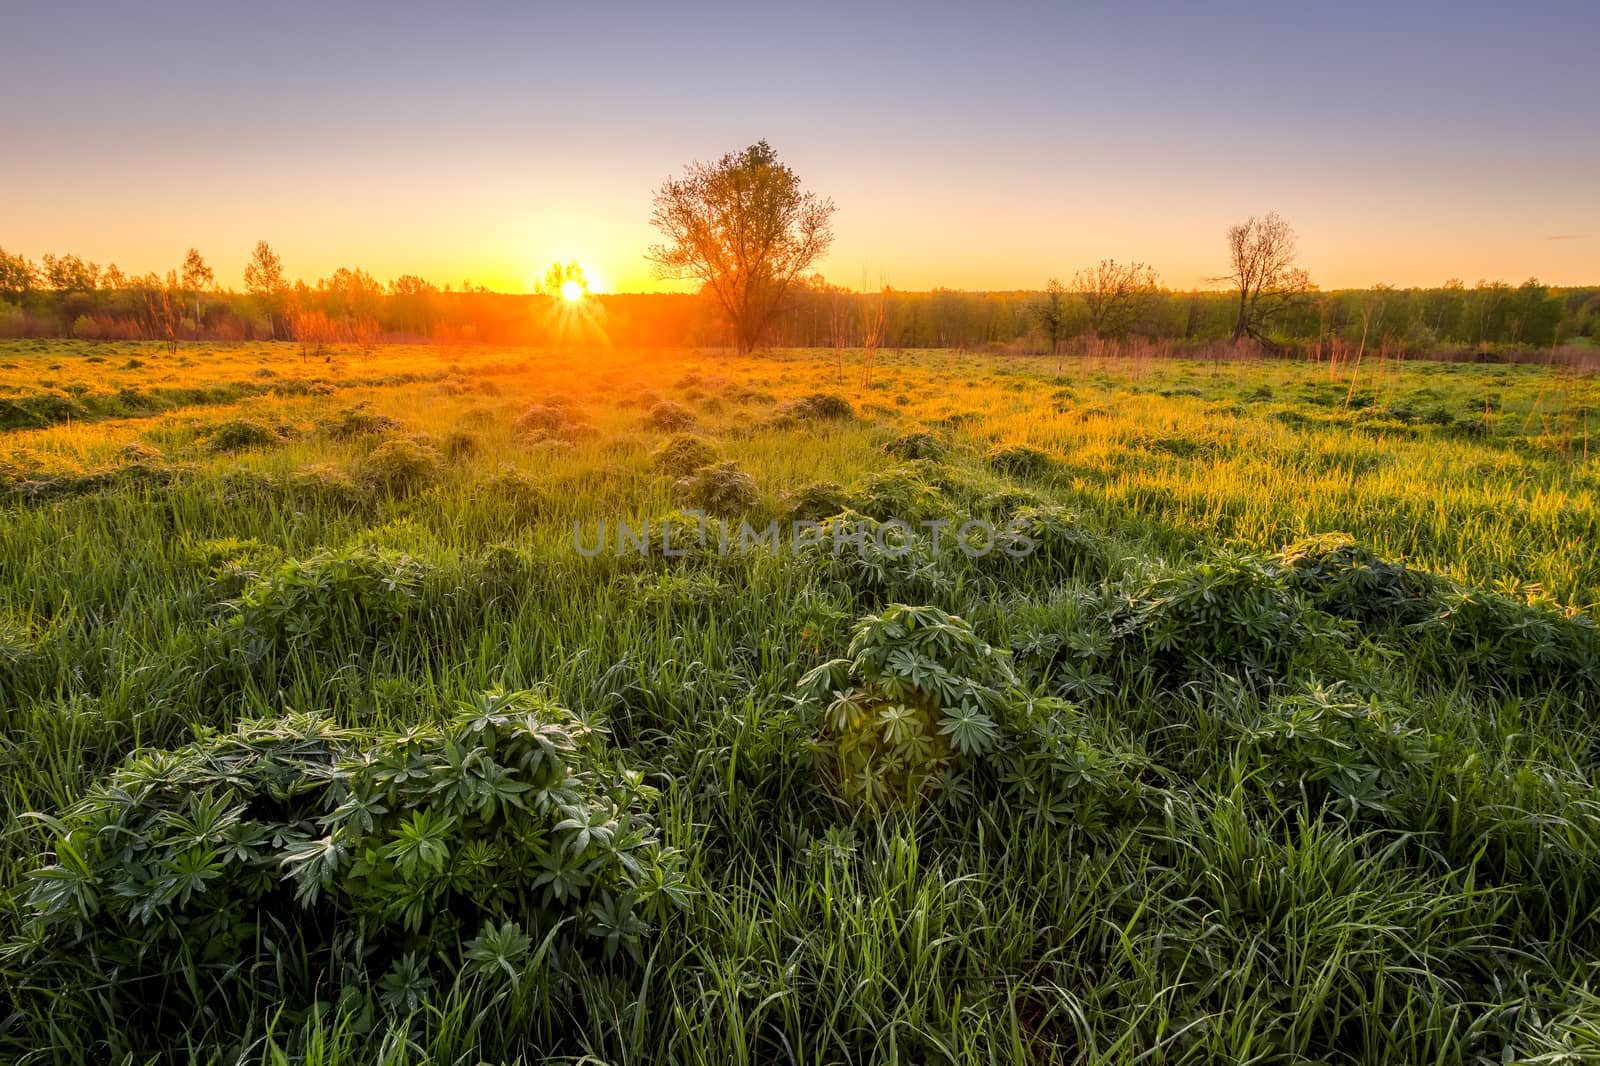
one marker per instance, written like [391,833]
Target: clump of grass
[462,444]
[351,423]
[541,419]
[240,433]
[723,490]
[816,501]
[324,484]
[669,417]
[682,454]
[39,410]
[136,451]
[1020,460]
[399,466]
[820,407]
[918,444]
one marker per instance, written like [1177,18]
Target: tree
[17,276]
[163,306]
[68,273]
[197,278]
[743,228]
[1115,294]
[411,304]
[263,279]
[559,275]
[73,281]
[1262,253]
[1051,312]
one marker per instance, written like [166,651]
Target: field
[1263,731]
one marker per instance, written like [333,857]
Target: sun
[572,290]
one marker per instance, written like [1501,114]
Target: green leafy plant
[918,444]
[325,599]
[682,454]
[241,433]
[399,466]
[350,423]
[723,490]
[360,848]
[1350,580]
[1052,537]
[1020,460]
[816,501]
[917,691]
[669,417]
[820,407]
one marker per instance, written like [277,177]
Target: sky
[966,145]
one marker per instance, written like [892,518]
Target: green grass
[1225,803]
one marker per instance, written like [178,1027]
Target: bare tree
[874,317]
[1262,253]
[163,306]
[743,228]
[839,326]
[263,279]
[1115,294]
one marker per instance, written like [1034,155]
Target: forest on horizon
[67,296]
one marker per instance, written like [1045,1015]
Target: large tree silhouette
[1261,252]
[745,230]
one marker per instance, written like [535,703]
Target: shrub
[1228,612]
[1520,645]
[139,452]
[874,559]
[816,501]
[328,599]
[919,444]
[917,691]
[682,454]
[820,407]
[38,410]
[292,843]
[902,493]
[669,417]
[352,422]
[513,495]
[723,490]
[323,484]
[542,420]
[1054,537]
[1326,744]
[230,563]
[399,466]
[241,433]
[1020,460]
[1349,580]
[461,444]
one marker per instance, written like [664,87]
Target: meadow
[322,741]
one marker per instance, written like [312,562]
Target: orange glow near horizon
[971,158]
[916,229]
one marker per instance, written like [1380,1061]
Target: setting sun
[572,290]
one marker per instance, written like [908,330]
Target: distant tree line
[67,296]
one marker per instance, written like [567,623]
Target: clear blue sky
[968,146]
